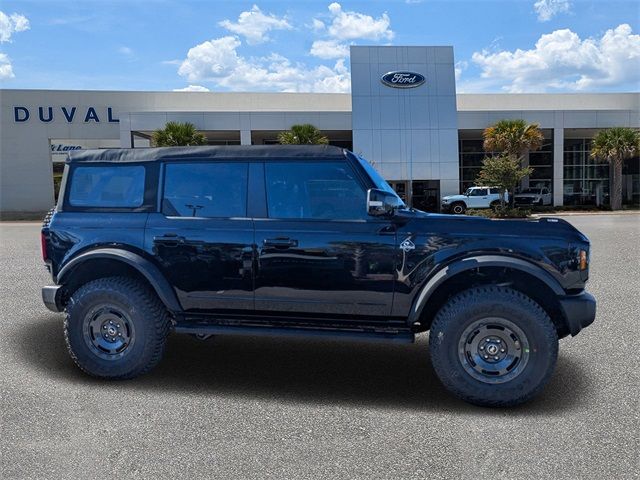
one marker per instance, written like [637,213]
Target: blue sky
[500,46]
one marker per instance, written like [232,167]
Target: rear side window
[323,190]
[205,190]
[115,187]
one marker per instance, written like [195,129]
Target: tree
[176,134]
[503,172]
[304,134]
[515,139]
[615,145]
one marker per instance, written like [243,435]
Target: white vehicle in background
[533,196]
[474,197]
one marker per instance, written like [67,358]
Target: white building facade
[403,115]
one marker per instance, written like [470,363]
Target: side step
[342,334]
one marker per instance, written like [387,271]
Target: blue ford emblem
[402,79]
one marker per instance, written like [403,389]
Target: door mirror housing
[381,203]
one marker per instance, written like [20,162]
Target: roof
[201,152]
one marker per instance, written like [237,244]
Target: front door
[478,198]
[318,251]
[203,240]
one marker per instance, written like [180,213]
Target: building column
[125,131]
[558,166]
[245,137]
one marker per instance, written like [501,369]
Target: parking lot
[238,407]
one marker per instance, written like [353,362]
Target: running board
[357,335]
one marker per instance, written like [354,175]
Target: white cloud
[329,49]
[460,67]
[317,25]
[10,24]
[126,51]
[547,9]
[347,25]
[6,70]
[192,88]
[218,61]
[254,25]
[562,61]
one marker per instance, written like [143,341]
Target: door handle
[169,240]
[280,242]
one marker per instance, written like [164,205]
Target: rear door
[203,238]
[318,250]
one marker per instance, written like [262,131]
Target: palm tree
[515,139]
[304,134]
[615,145]
[176,134]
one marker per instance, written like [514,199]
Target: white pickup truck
[474,197]
[533,196]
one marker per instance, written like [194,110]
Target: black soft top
[325,152]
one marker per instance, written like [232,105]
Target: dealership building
[422,136]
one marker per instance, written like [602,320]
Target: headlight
[445,200]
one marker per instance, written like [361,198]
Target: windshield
[378,181]
[531,190]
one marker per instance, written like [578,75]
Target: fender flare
[145,267]
[468,263]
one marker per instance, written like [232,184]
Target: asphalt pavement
[240,407]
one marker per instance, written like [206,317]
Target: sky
[509,46]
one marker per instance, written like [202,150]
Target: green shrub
[500,213]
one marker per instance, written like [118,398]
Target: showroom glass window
[107,187]
[586,181]
[314,190]
[210,190]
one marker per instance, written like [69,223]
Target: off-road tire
[145,313]
[458,208]
[471,307]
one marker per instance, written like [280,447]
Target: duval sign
[402,79]
[68,114]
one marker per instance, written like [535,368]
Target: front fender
[468,263]
[145,267]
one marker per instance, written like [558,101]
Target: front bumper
[51,298]
[579,310]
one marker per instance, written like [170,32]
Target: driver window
[318,190]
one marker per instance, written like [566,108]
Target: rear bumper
[51,298]
[579,310]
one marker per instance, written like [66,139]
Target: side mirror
[381,203]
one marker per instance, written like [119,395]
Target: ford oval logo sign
[402,79]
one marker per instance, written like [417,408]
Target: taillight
[43,245]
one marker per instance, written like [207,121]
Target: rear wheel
[458,208]
[115,328]
[495,205]
[493,346]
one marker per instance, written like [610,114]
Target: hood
[470,225]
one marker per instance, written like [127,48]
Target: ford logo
[402,79]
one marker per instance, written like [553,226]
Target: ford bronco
[308,241]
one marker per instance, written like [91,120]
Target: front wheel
[115,328]
[458,208]
[493,346]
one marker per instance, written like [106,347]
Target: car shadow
[293,370]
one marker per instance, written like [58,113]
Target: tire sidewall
[446,334]
[84,302]
[460,206]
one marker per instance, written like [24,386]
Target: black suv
[302,240]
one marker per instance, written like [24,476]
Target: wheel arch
[483,270]
[106,262]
